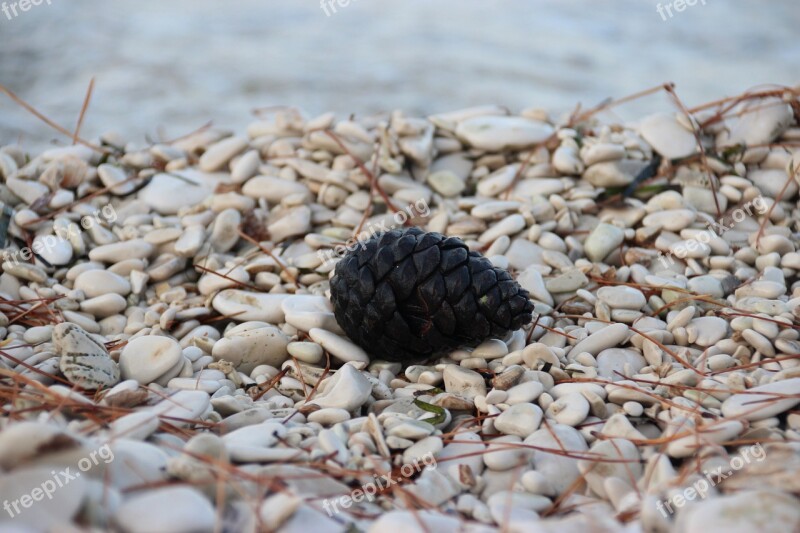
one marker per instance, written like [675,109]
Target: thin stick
[84,107]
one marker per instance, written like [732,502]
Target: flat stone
[464,382]
[148,358]
[622,297]
[244,306]
[667,136]
[604,239]
[520,419]
[497,133]
[99,282]
[174,509]
[251,344]
[347,389]
[760,402]
[707,330]
[338,346]
[609,336]
[560,471]
[742,512]
[612,363]
[84,361]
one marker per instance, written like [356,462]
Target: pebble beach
[170,360]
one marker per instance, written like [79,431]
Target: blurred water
[166,67]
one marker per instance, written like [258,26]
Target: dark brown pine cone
[406,295]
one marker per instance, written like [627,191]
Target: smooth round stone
[467,452]
[245,167]
[708,435]
[415,522]
[771,181]
[426,448]
[272,189]
[504,453]
[622,297]
[601,151]
[166,193]
[570,410]
[743,512]
[307,352]
[184,405]
[347,389]
[627,464]
[760,402]
[707,330]
[706,285]
[244,306]
[561,472]
[105,305]
[604,239]
[83,361]
[607,337]
[614,173]
[760,121]
[190,241]
[531,280]
[497,133]
[667,136]
[137,426]
[51,511]
[497,181]
[53,249]
[122,251]
[250,440]
[329,416]
[446,183]
[524,392]
[568,281]
[146,359]
[174,509]
[463,381]
[20,442]
[508,226]
[306,312]
[520,419]
[611,363]
[28,190]
[251,344]
[225,231]
[762,289]
[633,409]
[563,389]
[114,177]
[190,383]
[218,154]
[223,278]
[490,349]
[99,282]
[670,219]
[338,346]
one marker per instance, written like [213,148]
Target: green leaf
[441,414]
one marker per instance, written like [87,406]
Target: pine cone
[406,295]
